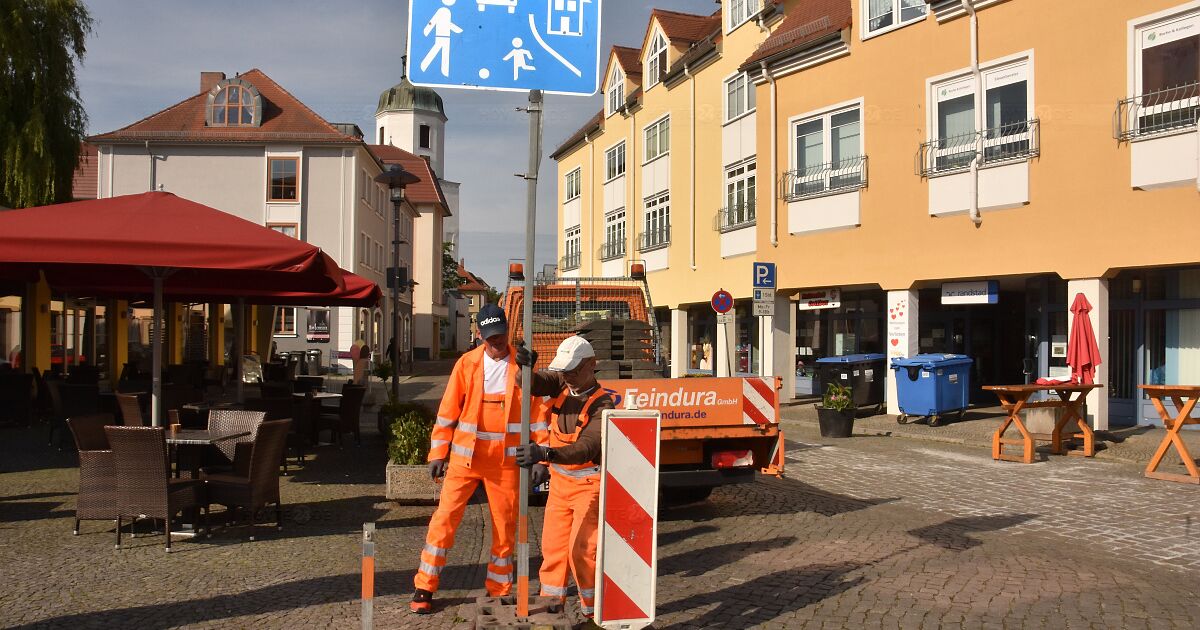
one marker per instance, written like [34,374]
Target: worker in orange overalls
[573,509]
[475,440]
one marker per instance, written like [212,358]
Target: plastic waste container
[314,362]
[932,385]
[862,373]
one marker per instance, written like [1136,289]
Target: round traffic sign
[722,301]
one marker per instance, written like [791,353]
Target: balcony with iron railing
[735,217]
[570,261]
[611,250]
[831,178]
[655,238]
[1010,142]
[1159,112]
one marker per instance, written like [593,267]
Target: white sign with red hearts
[901,336]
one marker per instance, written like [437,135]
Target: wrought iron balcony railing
[1157,112]
[1015,141]
[570,261]
[656,238]
[735,217]
[825,179]
[612,249]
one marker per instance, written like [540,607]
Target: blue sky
[336,57]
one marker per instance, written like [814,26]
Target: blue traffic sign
[722,301]
[517,45]
[764,275]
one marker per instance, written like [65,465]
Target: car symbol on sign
[511,4]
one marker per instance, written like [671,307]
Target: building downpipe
[687,72]
[969,7]
[774,140]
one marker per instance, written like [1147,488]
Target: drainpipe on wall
[969,7]
[152,166]
[631,160]
[591,204]
[771,169]
[687,72]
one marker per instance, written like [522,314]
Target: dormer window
[657,59]
[616,91]
[234,103]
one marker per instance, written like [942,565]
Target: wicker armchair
[145,488]
[259,486]
[279,409]
[131,410]
[227,452]
[346,420]
[97,498]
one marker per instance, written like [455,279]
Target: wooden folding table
[1185,398]
[1015,398]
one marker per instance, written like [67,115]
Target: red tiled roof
[284,118]
[630,60]
[428,189]
[595,123]
[686,27]
[805,23]
[473,282]
[85,179]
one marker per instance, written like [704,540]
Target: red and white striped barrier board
[627,548]
[758,401]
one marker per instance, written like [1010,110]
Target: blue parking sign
[764,275]
[514,45]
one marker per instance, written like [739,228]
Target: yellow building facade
[944,177]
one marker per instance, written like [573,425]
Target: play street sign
[515,45]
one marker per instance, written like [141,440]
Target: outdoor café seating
[145,488]
[97,498]
[131,410]
[346,419]
[232,454]
[257,486]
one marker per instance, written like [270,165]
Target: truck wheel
[902,419]
[681,496]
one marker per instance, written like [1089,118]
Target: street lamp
[396,179]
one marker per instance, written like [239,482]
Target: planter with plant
[836,412]
[408,434]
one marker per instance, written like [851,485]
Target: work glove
[437,468]
[538,475]
[525,356]
[531,454]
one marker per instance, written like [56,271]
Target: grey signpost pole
[531,176]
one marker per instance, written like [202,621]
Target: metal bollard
[368,576]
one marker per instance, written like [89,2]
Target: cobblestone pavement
[865,532]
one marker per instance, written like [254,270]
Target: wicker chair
[131,410]
[68,401]
[145,488]
[97,499]
[233,454]
[259,486]
[346,420]
[278,409]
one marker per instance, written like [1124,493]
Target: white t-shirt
[495,374]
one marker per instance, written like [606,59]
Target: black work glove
[538,475]
[525,356]
[437,468]
[531,454]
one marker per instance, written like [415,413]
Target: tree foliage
[42,119]
[450,278]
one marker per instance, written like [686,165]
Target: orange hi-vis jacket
[457,428]
[560,438]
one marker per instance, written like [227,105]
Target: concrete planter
[411,485]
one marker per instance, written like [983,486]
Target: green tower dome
[405,96]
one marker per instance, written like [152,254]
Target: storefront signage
[318,325]
[825,298]
[982,292]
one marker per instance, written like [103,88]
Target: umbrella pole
[156,370]
[239,350]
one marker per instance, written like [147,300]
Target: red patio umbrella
[160,244]
[1083,354]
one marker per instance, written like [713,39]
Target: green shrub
[838,398]
[409,443]
[383,370]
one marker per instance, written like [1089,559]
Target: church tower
[412,118]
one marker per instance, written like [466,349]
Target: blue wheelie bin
[932,385]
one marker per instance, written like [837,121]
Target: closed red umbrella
[1083,353]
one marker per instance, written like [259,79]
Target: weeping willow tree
[42,119]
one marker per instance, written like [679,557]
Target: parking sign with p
[764,275]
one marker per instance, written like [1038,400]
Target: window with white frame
[1009,131]
[614,162]
[364,250]
[739,96]
[656,60]
[739,197]
[616,91]
[656,222]
[740,11]
[285,321]
[572,184]
[614,235]
[571,249]
[1166,76]
[827,154]
[882,15]
[657,138]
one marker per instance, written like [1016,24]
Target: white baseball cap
[571,352]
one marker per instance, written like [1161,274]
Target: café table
[1185,398]
[320,395]
[192,442]
[1015,398]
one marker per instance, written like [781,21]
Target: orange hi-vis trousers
[569,534]
[500,481]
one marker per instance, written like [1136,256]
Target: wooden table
[1015,398]
[1185,398]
